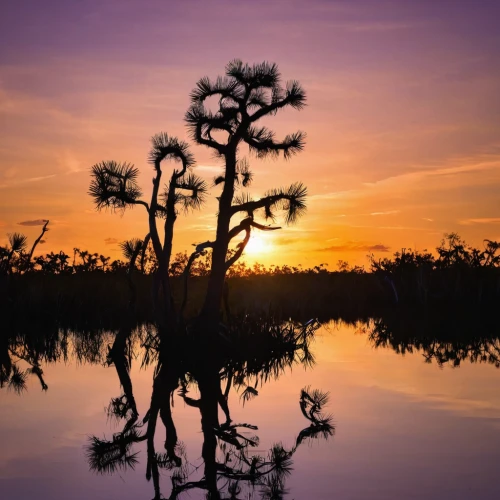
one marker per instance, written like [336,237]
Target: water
[403,427]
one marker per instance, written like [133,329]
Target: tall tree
[246,94]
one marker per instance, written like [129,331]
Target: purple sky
[403,119]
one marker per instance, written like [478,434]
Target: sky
[402,122]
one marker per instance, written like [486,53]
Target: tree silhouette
[114,186]
[131,249]
[17,245]
[246,94]
[38,240]
[231,461]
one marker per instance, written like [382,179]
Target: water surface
[404,427]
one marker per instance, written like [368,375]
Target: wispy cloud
[36,222]
[482,220]
[356,246]
[388,212]
[332,196]
[375,26]
[23,181]
[287,241]
[415,178]
[69,162]
[110,241]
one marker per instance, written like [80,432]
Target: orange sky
[403,116]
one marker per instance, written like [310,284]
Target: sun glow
[258,245]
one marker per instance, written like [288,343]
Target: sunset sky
[402,122]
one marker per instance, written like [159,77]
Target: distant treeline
[88,284]
[453,252]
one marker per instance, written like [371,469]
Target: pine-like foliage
[114,185]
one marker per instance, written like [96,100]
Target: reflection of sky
[405,429]
[402,122]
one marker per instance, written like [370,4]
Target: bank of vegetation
[86,284]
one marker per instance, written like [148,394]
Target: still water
[403,427]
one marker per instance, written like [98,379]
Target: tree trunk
[209,386]
[215,287]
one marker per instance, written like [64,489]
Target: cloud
[69,162]
[422,179]
[287,241]
[29,179]
[357,246]
[375,26]
[483,220]
[388,212]
[36,222]
[110,241]
[334,195]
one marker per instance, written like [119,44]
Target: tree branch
[247,223]
[241,248]
[262,142]
[187,270]
[153,230]
[114,185]
[251,206]
[295,97]
[291,200]
[144,248]
[44,230]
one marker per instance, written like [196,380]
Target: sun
[258,245]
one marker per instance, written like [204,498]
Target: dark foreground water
[404,428]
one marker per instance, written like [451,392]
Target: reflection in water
[253,351]
[450,343]
[13,351]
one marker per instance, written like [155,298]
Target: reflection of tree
[120,355]
[448,343]
[255,351]
[16,350]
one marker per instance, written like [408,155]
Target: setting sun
[258,245]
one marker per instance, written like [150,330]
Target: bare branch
[44,230]
[144,248]
[247,223]
[240,249]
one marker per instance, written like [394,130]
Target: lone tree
[245,95]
